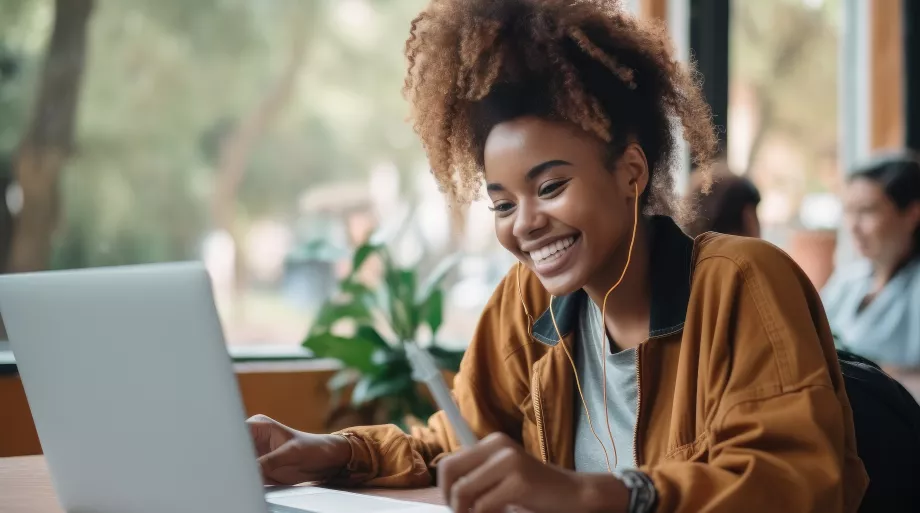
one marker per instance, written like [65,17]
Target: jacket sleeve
[484,389]
[779,433]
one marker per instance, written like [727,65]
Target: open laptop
[135,400]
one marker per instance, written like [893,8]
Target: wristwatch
[643,497]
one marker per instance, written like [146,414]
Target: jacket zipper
[639,389]
[538,412]
[638,408]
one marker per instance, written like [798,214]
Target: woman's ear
[633,167]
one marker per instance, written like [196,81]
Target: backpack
[887,422]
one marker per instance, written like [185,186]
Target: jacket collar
[672,264]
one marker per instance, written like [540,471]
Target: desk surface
[25,487]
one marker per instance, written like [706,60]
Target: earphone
[603,352]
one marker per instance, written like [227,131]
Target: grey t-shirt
[622,394]
[887,330]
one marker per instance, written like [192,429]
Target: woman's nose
[529,219]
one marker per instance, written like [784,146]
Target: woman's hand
[289,457]
[497,476]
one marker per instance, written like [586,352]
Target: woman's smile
[554,256]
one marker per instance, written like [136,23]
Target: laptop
[135,400]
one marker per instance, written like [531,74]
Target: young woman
[621,366]
[874,305]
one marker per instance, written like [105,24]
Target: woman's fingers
[461,463]
[502,497]
[260,428]
[292,463]
[467,493]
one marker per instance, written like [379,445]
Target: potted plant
[379,322]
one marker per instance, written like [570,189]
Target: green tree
[168,84]
[47,142]
[786,51]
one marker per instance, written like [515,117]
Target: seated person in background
[874,305]
[730,206]
[621,366]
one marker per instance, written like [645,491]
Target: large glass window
[266,138]
[783,130]
[269,138]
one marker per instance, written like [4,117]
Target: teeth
[551,251]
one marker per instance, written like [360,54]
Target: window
[265,138]
[783,130]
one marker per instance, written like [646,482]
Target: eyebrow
[534,172]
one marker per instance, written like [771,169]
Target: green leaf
[402,283]
[384,302]
[430,297]
[447,359]
[354,310]
[370,388]
[405,316]
[433,282]
[361,293]
[362,253]
[355,353]
[369,333]
[331,313]
[433,310]
[392,362]
[355,289]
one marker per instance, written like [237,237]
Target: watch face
[642,493]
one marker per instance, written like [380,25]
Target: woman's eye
[552,187]
[502,207]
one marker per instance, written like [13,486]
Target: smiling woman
[662,373]
[559,218]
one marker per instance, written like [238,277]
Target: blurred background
[268,139]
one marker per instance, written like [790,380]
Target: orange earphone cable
[521,297]
[603,354]
[578,385]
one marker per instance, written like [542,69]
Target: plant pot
[814,250]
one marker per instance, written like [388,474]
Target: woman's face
[557,207]
[882,232]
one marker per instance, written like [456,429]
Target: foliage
[785,53]
[164,78]
[376,364]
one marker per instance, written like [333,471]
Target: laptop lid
[132,389]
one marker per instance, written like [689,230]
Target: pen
[424,370]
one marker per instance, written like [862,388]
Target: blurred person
[874,304]
[729,207]
[620,366]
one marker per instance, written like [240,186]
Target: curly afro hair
[473,64]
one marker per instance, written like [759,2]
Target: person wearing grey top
[874,305]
